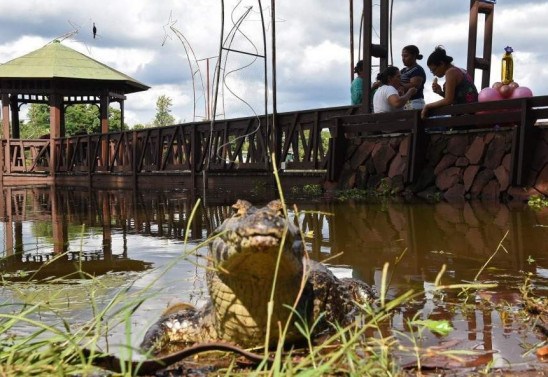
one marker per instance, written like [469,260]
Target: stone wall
[457,166]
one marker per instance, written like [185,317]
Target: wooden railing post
[134,157]
[527,134]
[416,151]
[337,147]
[195,155]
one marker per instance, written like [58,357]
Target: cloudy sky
[152,41]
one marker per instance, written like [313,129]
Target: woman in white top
[386,97]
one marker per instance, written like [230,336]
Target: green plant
[312,190]
[537,202]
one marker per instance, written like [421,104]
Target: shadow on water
[125,237]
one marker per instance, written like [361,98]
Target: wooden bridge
[307,143]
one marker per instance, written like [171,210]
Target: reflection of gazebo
[60,76]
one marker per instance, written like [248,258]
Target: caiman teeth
[259,241]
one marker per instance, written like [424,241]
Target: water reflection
[62,233]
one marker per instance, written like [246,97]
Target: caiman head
[242,266]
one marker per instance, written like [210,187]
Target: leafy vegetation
[78,119]
[537,202]
[163,115]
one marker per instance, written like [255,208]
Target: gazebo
[58,76]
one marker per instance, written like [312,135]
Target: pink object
[506,91]
[522,92]
[489,94]
[513,84]
[497,85]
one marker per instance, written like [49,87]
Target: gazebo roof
[56,61]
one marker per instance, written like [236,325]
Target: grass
[370,348]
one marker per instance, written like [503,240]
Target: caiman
[258,256]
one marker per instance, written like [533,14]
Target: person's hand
[436,88]
[424,112]
[411,91]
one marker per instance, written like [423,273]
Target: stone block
[503,177]
[361,153]
[445,162]
[397,166]
[448,178]
[382,155]
[457,144]
[482,178]
[469,176]
[475,151]
[495,152]
[455,193]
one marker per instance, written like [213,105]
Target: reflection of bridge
[367,235]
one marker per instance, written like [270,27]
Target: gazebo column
[6,133]
[121,115]
[103,109]
[15,126]
[6,116]
[54,129]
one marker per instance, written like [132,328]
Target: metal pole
[275,132]
[351,3]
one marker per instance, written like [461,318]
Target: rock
[404,146]
[382,155]
[361,154]
[495,152]
[448,178]
[482,178]
[457,145]
[475,151]
[462,162]
[503,177]
[446,161]
[397,166]
[469,176]
[491,191]
[455,193]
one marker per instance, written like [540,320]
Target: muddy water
[146,242]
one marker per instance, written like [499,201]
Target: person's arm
[452,78]
[399,101]
[414,82]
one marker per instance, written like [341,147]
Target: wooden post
[529,134]
[6,131]
[367,37]
[337,146]
[134,158]
[416,151]
[473,62]
[54,130]
[103,109]
[16,134]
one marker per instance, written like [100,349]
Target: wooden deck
[307,142]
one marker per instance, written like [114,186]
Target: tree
[38,122]
[78,118]
[163,109]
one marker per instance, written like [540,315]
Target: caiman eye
[241,207]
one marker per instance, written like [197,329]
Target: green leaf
[442,327]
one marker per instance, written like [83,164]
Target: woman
[387,97]
[413,76]
[459,86]
[356,88]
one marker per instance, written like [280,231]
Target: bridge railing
[228,145]
[25,155]
[521,115]
[302,140]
